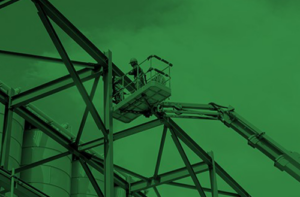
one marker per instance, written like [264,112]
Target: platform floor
[154,92]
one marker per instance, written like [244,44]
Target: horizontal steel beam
[22,189]
[119,168]
[38,163]
[48,59]
[52,87]
[168,177]
[122,134]
[205,189]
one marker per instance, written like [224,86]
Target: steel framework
[20,104]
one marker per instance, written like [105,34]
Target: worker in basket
[138,73]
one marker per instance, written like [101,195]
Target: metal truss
[20,104]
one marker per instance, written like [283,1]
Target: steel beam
[73,32]
[122,134]
[168,177]
[3,97]
[213,176]
[70,68]
[124,170]
[91,178]
[97,163]
[108,122]
[138,129]
[161,148]
[119,168]
[32,165]
[8,3]
[205,189]
[6,134]
[86,112]
[67,143]
[22,189]
[156,192]
[205,157]
[48,59]
[187,163]
[52,87]
[82,41]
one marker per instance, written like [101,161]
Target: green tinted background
[239,53]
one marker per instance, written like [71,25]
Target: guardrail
[141,78]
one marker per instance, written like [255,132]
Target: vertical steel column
[12,185]
[6,133]
[108,122]
[213,176]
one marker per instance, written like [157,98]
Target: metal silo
[81,185]
[120,192]
[16,139]
[52,178]
[17,129]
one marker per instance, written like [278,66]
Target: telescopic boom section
[284,160]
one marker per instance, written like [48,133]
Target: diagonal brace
[86,112]
[161,148]
[187,163]
[71,68]
[32,165]
[91,177]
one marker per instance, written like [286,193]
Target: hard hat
[133,60]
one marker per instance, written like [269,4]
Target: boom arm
[284,160]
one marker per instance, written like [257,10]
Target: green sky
[232,52]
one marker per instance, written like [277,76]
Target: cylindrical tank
[81,185]
[17,129]
[120,192]
[52,178]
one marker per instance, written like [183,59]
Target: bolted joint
[156,179]
[74,158]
